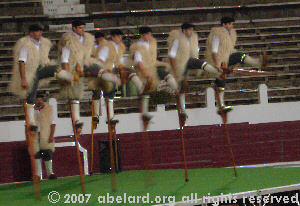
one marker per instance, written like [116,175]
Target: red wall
[206,146]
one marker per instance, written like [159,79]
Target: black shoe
[33,128]
[78,124]
[113,121]
[146,117]
[183,116]
[36,178]
[95,120]
[226,109]
[52,177]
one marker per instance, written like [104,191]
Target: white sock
[96,105]
[109,77]
[145,104]
[64,75]
[76,110]
[30,113]
[212,70]
[111,108]
[255,62]
[137,82]
[38,167]
[221,95]
[49,169]
[172,82]
[182,102]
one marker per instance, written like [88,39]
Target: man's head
[35,32]
[39,101]
[78,27]
[116,35]
[187,29]
[227,22]
[99,36]
[145,33]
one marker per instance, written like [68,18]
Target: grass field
[131,184]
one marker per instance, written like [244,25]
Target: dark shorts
[41,73]
[235,58]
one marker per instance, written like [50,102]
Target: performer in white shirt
[43,141]
[110,53]
[183,56]
[31,65]
[143,56]
[220,48]
[75,50]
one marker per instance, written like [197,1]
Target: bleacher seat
[278,36]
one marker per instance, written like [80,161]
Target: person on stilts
[31,66]
[109,53]
[220,48]
[75,49]
[143,56]
[183,56]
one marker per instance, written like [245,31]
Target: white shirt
[37,112]
[173,51]
[65,53]
[104,52]
[175,46]
[137,54]
[23,55]
[216,42]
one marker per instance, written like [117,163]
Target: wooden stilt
[76,135]
[29,138]
[224,118]
[147,160]
[116,146]
[112,159]
[92,143]
[181,125]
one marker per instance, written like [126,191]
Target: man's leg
[181,97]
[145,108]
[47,157]
[130,73]
[76,113]
[221,87]
[240,57]
[31,101]
[110,93]
[200,65]
[163,75]
[220,80]
[95,70]
[54,71]
[38,164]
[96,99]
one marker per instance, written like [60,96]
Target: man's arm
[172,62]
[65,54]
[138,60]
[103,54]
[142,68]
[216,60]
[172,54]
[52,130]
[23,55]
[24,82]
[215,47]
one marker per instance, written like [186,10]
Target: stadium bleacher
[279,35]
